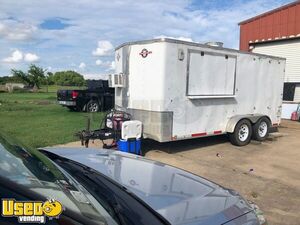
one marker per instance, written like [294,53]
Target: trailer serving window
[210,74]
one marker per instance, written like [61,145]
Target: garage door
[289,49]
[297,93]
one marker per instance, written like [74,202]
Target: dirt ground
[267,173]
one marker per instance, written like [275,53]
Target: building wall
[289,49]
[281,23]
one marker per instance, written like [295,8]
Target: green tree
[68,78]
[48,79]
[34,77]
[36,74]
[23,76]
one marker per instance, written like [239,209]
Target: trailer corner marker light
[217,132]
[199,134]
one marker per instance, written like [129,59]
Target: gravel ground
[267,173]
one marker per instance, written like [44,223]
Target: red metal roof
[278,24]
[270,12]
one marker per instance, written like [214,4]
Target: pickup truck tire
[242,133]
[261,129]
[93,106]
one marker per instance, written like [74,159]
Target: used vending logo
[31,211]
[144,53]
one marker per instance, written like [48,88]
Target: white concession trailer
[182,90]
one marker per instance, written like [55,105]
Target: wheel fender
[232,122]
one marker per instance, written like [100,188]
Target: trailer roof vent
[215,43]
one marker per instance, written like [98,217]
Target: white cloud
[82,65]
[2,28]
[99,62]
[104,48]
[16,56]
[16,30]
[199,21]
[113,65]
[30,57]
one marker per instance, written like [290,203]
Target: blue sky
[81,35]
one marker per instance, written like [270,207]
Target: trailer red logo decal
[144,53]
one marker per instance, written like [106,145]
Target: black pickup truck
[97,97]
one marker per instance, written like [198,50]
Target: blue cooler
[130,145]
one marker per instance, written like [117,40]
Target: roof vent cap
[215,43]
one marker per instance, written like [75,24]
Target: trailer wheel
[242,133]
[93,106]
[261,129]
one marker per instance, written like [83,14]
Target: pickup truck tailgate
[64,95]
[67,97]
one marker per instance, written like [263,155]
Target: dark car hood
[179,196]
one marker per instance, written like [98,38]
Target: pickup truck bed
[96,98]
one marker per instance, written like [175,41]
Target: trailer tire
[261,129]
[242,133]
[93,106]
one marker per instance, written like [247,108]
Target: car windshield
[32,169]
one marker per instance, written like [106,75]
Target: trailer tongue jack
[118,127]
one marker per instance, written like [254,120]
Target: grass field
[37,120]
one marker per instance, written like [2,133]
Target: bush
[10,79]
[21,90]
[68,78]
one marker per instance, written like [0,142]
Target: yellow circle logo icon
[52,208]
